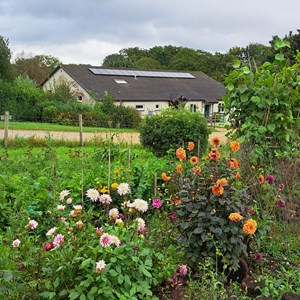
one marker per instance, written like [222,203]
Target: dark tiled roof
[202,87]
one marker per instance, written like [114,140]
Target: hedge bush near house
[173,128]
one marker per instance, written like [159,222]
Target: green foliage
[112,115]
[132,269]
[6,68]
[208,195]
[35,67]
[264,105]
[173,128]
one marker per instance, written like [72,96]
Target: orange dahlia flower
[178,169]
[190,146]
[214,154]
[261,179]
[181,154]
[196,170]
[238,176]
[215,141]
[165,177]
[218,190]
[221,182]
[250,226]
[234,163]
[193,160]
[235,146]
[235,217]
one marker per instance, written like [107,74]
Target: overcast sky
[86,31]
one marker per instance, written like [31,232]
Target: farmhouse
[146,91]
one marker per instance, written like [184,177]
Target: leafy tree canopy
[6,68]
[36,67]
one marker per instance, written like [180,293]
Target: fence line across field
[106,135]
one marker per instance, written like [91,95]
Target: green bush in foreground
[173,128]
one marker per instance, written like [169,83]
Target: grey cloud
[212,25]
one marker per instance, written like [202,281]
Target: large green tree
[36,67]
[6,68]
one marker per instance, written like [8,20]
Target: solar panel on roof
[141,73]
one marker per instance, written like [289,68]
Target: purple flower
[172,216]
[183,270]
[270,179]
[156,203]
[281,187]
[281,203]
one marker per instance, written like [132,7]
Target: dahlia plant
[216,216]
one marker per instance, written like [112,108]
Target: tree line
[215,65]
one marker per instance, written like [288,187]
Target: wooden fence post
[80,130]
[6,118]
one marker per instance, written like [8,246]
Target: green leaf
[236,64]
[244,98]
[85,263]
[93,290]
[73,295]
[82,297]
[255,99]
[230,87]
[120,279]
[56,282]
[279,57]
[146,273]
[281,44]
[113,273]
[198,230]
[246,70]
[271,127]
[48,295]
[261,130]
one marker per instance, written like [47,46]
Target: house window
[157,106]
[139,106]
[120,81]
[193,107]
[79,98]
[221,107]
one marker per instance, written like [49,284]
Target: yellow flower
[235,217]
[235,146]
[250,226]
[114,185]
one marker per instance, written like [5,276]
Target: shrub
[173,128]
[213,207]
[49,113]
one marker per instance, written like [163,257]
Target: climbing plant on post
[264,106]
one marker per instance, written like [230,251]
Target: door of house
[206,111]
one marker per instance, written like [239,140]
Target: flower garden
[120,223]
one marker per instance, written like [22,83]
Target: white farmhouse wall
[147,107]
[63,77]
